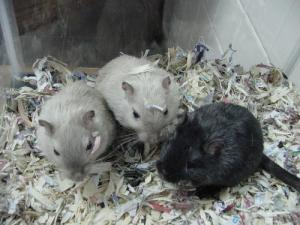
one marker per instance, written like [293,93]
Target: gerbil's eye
[56,152]
[166,112]
[89,146]
[135,114]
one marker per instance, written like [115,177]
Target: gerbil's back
[237,128]
[72,100]
[238,137]
[120,66]
[221,116]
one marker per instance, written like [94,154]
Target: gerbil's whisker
[132,137]
[109,155]
[133,143]
[127,138]
[126,142]
[128,135]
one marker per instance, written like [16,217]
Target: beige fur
[67,112]
[146,79]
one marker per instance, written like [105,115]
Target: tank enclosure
[88,33]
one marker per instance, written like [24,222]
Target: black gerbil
[218,146]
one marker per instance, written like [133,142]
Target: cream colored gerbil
[142,96]
[75,128]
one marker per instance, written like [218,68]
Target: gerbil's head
[153,103]
[186,152]
[72,146]
[172,165]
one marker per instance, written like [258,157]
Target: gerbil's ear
[166,82]
[88,118]
[48,126]
[97,144]
[214,148]
[129,90]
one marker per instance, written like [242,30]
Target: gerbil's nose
[78,176]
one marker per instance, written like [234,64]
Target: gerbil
[75,128]
[142,96]
[217,146]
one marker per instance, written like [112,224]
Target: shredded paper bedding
[127,188]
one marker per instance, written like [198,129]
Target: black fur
[218,145]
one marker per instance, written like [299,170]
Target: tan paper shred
[46,202]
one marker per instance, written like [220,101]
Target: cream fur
[146,79]
[65,112]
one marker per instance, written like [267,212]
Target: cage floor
[127,189]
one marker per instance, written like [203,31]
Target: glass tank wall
[89,33]
[81,32]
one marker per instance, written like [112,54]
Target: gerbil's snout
[152,139]
[77,174]
[167,174]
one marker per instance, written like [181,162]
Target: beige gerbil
[142,96]
[75,128]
